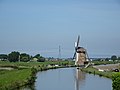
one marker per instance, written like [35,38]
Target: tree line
[114,57]
[16,56]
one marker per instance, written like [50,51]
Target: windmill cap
[81,49]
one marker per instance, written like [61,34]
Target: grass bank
[25,73]
[14,78]
[94,71]
[115,76]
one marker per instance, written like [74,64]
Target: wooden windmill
[80,55]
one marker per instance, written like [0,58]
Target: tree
[114,57]
[3,56]
[24,57]
[106,59]
[118,58]
[37,56]
[40,58]
[13,56]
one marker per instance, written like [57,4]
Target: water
[70,79]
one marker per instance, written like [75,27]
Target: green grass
[31,64]
[10,78]
[19,76]
[95,71]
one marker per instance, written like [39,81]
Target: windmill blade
[74,55]
[76,46]
[88,60]
[78,41]
[87,56]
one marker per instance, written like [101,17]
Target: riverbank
[94,71]
[24,73]
[106,70]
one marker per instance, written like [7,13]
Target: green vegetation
[16,56]
[39,58]
[24,69]
[13,56]
[116,81]
[115,76]
[3,57]
[103,62]
[23,73]
[14,78]
[24,57]
[95,71]
[114,57]
[31,64]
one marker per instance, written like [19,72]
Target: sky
[41,26]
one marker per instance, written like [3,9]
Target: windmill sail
[78,40]
[76,46]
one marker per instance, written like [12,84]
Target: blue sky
[40,26]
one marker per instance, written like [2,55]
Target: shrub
[116,81]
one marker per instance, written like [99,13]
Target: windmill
[80,54]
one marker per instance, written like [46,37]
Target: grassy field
[14,78]
[23,72]
[31,64]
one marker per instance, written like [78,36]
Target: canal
[70,79]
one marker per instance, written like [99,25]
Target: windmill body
[80,56]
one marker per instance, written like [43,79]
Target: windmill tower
[80,54]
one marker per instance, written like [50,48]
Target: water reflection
[85,81]
[79,79]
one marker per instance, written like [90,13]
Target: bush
[116,81]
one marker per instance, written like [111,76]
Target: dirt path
[6,68]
